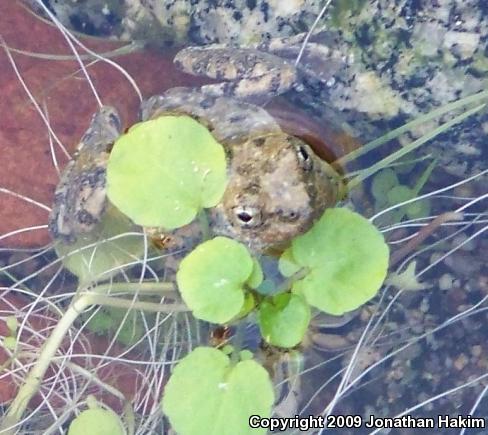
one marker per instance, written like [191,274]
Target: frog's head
[277,188]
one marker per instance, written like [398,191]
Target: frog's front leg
[80,197]
[245,73]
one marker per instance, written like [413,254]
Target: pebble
[330,341]
[460,362]
[446,282]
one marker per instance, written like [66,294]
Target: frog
[80,196]
[277,185]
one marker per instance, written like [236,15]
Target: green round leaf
[248,305]
[96,422]
[287,264]
[100,253]
[348,261]
[206,394]
[418,209]
[283,319]
[383,182]
[164,171]
[399,194]
[211,279]
[246,355]
[10,343]
[257,276]
[12,324]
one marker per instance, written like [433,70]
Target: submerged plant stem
[288,283]
[97,296]
[480,96]
[34,378]
[414,145]
[155,307]
[423,234]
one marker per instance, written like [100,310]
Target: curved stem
[135,287]
[288,283]
[110,301]
[99,295]
[34,378]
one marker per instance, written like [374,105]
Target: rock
[27,166]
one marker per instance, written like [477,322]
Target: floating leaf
[413,210]
[418,209]
[96,421]
[10,343]
[400,194]
[287,264]
[245,355]
[207,394]
[248,306]
[257,276]
[283,319]
[108,321]
[348,260]
[164,171]
[383,182]
[12,324]
[101,253]
[211,279]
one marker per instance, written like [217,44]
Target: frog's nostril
[288,215]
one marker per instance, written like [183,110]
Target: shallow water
[420,346]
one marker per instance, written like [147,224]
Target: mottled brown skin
[80,197]
[277,189]
[277,186]
[243,73]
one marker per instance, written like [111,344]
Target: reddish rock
[126,377]
[26,164]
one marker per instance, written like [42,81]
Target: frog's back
[229,119]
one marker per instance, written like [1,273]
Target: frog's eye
[304,158]
[247,216]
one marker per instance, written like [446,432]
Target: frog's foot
[80,197]
[246,73]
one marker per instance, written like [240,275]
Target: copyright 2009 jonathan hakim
[280,424]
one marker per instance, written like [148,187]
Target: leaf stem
[34,378]
[84,299]
[288,283]
[204,224]
[114,302]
